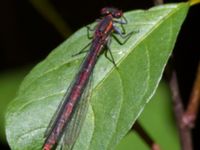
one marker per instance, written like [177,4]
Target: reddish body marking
[100,39]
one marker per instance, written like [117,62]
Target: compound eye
[104,11]
[117,14]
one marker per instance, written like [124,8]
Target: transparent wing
[74,126]
[56,114]
[53,120]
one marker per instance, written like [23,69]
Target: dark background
[27,38]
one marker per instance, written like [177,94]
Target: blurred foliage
[49,12]
[9,83]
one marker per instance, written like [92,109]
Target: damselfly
[70,106]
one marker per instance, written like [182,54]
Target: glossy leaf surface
[118,96]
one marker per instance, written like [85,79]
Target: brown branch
[158,2]
[145,136]
[184,132]
[190,115]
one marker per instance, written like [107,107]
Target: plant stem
[190,114]
[158,2]
[185,134]
[145,136]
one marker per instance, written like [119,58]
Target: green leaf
[158,121]
[118,96]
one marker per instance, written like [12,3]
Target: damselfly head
[116,13]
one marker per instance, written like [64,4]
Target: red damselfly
[72,103]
